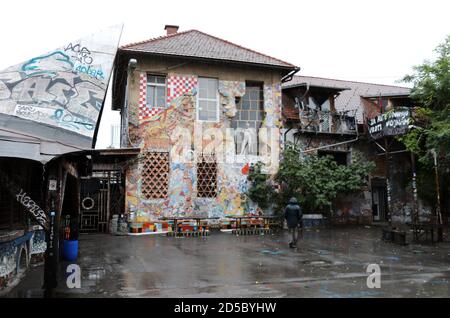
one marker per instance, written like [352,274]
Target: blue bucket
[70,250]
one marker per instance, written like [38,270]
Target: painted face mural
[64,88]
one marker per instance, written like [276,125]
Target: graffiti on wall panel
[64,88]
[8,262]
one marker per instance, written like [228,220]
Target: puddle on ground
[95,273]
[272,252]
[316,262]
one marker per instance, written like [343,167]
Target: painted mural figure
[247,140]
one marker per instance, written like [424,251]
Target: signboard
[392,123]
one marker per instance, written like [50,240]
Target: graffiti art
[64,88]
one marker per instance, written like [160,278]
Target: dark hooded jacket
[293,213]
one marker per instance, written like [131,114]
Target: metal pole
[415,216]
[52,235]
[438,190]
[388,186]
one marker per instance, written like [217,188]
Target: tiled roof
[349,99]
[197,44]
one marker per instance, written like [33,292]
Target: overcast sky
[372,41]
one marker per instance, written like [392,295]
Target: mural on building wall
[64,88]
[161,131]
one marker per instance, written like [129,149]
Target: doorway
[379,200]
[101,196]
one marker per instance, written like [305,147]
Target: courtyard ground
[327,263]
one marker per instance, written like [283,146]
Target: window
[156,91]
[155,175]
[208,100]
[248,119]
[207,176]
[341,157]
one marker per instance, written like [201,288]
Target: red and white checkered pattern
[177,85]
[149,112]
[145,111]
[142,95]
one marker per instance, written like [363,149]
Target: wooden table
[239,219]
[195,218]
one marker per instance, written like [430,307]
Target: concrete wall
[162,132]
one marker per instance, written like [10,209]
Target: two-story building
[201,109]
[326,116]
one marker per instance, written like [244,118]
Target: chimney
[171,29]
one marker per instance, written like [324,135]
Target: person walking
[293,216]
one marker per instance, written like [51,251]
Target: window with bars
[156,91]
[248,119]
[155,175]
[208,100]
[207,176]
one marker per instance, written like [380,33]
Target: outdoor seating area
[189,226]
[200,226]
[248,225]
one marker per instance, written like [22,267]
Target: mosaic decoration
[157,134]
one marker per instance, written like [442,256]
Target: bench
[394,235]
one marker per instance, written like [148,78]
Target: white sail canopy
[56,98]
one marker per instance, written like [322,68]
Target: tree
[431,89]
[260,190]
[314,181]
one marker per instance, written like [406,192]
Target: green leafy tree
[261,190]
[431,89]
[314,181]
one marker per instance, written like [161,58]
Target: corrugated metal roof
[350,99]
[196,44]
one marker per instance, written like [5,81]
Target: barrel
[70,250]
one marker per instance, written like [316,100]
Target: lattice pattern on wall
[207,176]
[155,175]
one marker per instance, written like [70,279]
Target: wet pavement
[327,263]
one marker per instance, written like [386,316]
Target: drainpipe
[124,138]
